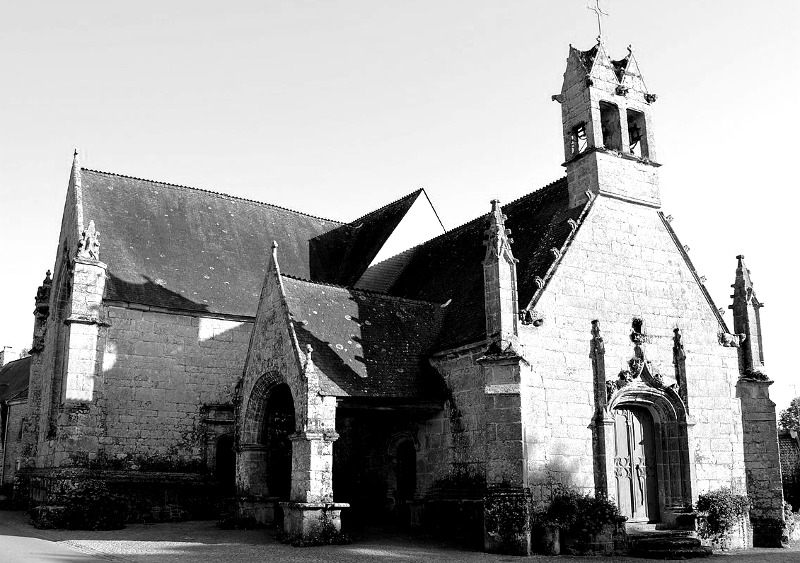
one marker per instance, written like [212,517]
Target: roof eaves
[218,194]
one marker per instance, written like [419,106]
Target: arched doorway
[647,457]
[635,466]
[279,425]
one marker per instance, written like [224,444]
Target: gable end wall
[623,264]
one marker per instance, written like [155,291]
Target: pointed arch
[671,440]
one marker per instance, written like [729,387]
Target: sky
[336,107]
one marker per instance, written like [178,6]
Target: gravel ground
[189,542]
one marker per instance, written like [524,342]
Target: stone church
[200,351]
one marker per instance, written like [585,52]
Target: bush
[582,516]
[724,508]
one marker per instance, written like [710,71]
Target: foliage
[791,486]
[85,505]
[328,534]
[580,515]
[724,508]
[789,418]
[792,522]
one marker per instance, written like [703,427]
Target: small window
[578,142]
[609,120]
[637,134]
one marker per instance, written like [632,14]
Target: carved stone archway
[670,441]
[255,499]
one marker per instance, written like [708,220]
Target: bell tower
[609,144]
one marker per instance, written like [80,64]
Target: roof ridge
[365,291]
[398,200]
[219,194]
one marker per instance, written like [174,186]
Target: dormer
[608,131]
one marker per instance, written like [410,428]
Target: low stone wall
[152,496]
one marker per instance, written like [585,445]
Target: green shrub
[724,508]
[582,516]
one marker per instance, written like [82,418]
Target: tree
[790,418]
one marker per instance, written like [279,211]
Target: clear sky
[335,107]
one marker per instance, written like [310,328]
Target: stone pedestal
[507,522]
[312,521]
[312,516]
[263,510]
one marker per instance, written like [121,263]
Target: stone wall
[157,372]
[623,263]
[452,455]
[16,415]
[154,373]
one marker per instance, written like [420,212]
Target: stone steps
[667,544]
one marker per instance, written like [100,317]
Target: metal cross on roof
[594,6]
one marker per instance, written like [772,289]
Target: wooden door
[634,464]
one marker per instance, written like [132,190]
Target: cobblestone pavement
[202,541]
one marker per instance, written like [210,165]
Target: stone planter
[545,540]
[739,537]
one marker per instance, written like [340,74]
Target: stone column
[252,498]
[311,516]
[761,460]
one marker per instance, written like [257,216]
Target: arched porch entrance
[264,450]
[279,425]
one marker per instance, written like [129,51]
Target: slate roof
[14,379]
[183,248]
[365,344]
[449,267]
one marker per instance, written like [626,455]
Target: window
[637,134]
[577,141]
[609,121]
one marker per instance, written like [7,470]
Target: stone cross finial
[89,245]
[595,7]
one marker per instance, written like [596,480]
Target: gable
[420,224]
[449,268]
[625,262]
[342,255]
